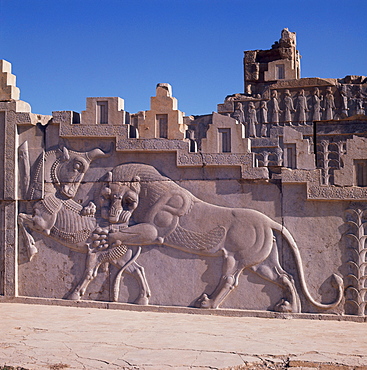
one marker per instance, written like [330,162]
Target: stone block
[8,89]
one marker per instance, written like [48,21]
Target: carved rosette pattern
[79,130]
[356,291]
[151,144]
[214,159]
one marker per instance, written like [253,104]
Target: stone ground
[56,337]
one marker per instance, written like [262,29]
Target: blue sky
[63,51]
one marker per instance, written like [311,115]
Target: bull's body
[56,215]
[55,183]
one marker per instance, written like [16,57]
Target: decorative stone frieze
[356,301]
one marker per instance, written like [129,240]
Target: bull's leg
[272,271]
[23,220]
[231,271]
[91,270]
[137,271]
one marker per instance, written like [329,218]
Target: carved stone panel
[259,206]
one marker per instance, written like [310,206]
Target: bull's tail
[337,281]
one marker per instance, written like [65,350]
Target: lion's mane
[153,184]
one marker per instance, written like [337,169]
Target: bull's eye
[78,166]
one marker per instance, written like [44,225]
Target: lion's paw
[204,302]
[74,296]
[283,306]
[143,301]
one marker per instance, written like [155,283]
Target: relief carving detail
[357,289]
[139,206]
[58,216]
[275,110]
[329,104]
[147,208]
[56,213]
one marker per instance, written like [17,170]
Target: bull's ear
[105,191]
[136,179]
[65,156]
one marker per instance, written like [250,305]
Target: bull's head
[70,168]
[119,200]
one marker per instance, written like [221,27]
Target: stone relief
[302,107]
[292,148]
[144,207]
[356,290]
[238,114]
[316,105]
[263,118]
[329,104]
[344,106]
[275,110]
[252,120]
[288,107]
[329,159]
[57,214]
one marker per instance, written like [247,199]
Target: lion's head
[130,185]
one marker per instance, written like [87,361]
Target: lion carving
[149,208]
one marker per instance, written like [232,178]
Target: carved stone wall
[247,208]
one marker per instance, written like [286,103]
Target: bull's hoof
[283,306]
[143,301]
[32,251]
[75,296]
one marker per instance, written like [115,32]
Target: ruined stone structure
[261,205]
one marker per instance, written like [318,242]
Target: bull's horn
[98,153]
[65,154]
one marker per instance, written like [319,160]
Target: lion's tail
[336,282]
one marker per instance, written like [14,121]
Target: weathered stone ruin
[261,205]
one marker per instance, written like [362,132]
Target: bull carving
[164,213]
[55,214]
